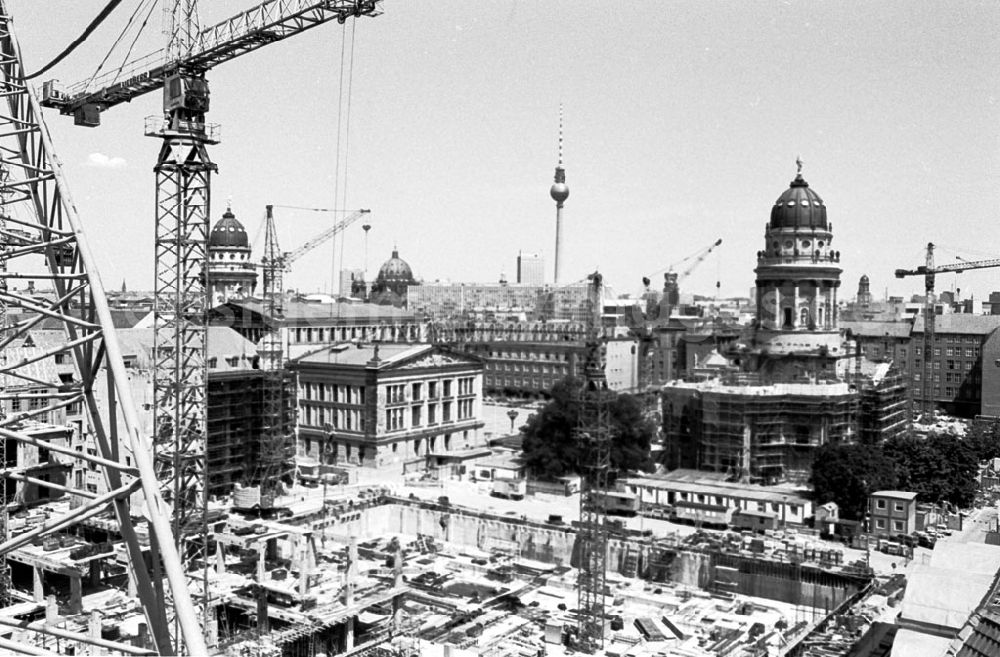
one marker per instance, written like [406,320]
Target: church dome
[799,207]
[229,233]
[395,270]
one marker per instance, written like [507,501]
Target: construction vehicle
[928,270]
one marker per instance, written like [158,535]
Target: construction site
[160,491]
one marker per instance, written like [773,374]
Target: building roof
[819,389]
[228,233]
[931,597]
[878,328]
[388,355]
[960,323]
[799,207]
[222,343]
[298,313]
[895,494]
[38,370]
[395,270]
[728,489]
[981,636]
[908,643]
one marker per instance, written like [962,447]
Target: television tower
[559,193]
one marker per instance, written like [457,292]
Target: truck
[512,489]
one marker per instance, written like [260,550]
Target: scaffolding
[237,423]
[758,433]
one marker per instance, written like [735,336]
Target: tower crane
[183,185]
[42,238]
[594,436]
[928,270]
[672,279]
[275,453]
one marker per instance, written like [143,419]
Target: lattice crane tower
[43,239]
[594,436]
[183,196]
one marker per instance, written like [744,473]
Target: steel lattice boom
[201,50]
[49,245]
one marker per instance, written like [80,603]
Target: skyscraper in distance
[530,269]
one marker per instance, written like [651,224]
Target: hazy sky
[683,123]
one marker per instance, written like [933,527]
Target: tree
[939,468]
[552,450]
[848,473]
[984,439]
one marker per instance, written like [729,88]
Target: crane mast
[182,209]
[928,271]
[51,246]
[273,458]
[593,434]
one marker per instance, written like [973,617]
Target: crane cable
[347,134]
[110,7]
[336,167]
[131,21]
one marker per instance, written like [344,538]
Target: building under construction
[793,382]
[762,433]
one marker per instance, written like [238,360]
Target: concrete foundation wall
[557,545]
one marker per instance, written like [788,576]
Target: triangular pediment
[435,357]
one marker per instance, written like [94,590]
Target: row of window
[396,393]
[897,525]
[950,365]
[721,500]
[528,369]
[395,417]
[465,407]
[345,333]
[969,352]
[531,384]
[332,392]
[529,355]
[975,379]
[339,419]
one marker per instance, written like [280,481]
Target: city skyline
[681,126]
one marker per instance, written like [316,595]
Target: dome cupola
[228,233]
[395,270]
[799,207]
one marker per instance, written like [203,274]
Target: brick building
[956,361]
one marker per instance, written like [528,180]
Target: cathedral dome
[799,207]
[395,270]
[229,233]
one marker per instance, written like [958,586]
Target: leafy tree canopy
[552,450]
[939,468]
[984,439]
[848,473]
